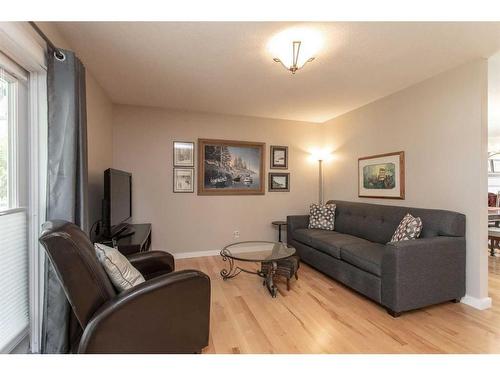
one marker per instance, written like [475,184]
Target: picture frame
[495,166]
[279,182]
[183,180]
[382,176]
[279,157]
[183,154]
[227,167]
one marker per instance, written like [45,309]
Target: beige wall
[99,128]
[190,223]
[441,125]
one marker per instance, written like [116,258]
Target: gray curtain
[66,185]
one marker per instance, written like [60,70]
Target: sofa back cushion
[377,223]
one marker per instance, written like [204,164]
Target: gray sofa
[401,276]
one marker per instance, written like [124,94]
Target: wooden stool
[286,268]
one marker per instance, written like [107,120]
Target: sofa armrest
[294,222]
[168,314]
[152,263]
[423,272]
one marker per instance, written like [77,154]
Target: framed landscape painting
[279,157]
[382,176]
[279,181]
[183,154]
[230,167]
[183,180]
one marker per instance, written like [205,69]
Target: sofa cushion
[366,256]
[326,241]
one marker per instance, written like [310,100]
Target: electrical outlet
[236,234]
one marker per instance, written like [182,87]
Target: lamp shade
[321,154]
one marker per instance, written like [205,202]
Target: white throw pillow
[408,229]
[121,272]
[322,216]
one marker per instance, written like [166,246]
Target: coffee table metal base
[268,276]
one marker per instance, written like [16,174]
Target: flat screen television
[117,202]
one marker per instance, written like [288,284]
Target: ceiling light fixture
[293,48]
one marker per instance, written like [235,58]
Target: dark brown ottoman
[286,268]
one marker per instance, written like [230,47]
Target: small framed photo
[495,166]
[279,181]
[183,154]
[279,157]
[183,180]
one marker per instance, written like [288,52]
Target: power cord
[98,229]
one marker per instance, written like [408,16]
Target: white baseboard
[196,254]
[477,303]
[211,253]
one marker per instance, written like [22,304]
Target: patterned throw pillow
[322,216]
[408,229]
[120,271]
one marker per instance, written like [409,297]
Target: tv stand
[136,239]
[119,229]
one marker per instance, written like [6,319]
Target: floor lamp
[321,156]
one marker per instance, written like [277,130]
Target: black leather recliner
[168,313]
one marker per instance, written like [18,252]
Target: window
[14,277]
[7,128]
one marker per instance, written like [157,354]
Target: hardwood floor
[320,315]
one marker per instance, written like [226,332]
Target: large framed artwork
[382,176]
[230,167]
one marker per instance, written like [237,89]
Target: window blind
[13,278]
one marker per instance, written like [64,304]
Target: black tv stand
[125,233]
[119,229]
[137,238]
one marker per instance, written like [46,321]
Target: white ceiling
[225,67]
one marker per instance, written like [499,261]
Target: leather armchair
[152,264]
[168,313]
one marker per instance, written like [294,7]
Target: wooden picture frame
[183,180]
[382,176]
[228,167]
[274,184]
[183,154]
[279,157]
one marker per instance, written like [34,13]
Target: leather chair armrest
[152,264]
[168,314]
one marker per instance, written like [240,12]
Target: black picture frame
[183,164]
[273,184]
[276,159]
[176,188]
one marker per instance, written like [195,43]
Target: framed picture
[183,180]
[183,154]
[382,176]
[230,167]
[279,181]
[279,157]
[495,166]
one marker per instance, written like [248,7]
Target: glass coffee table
[255,252]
